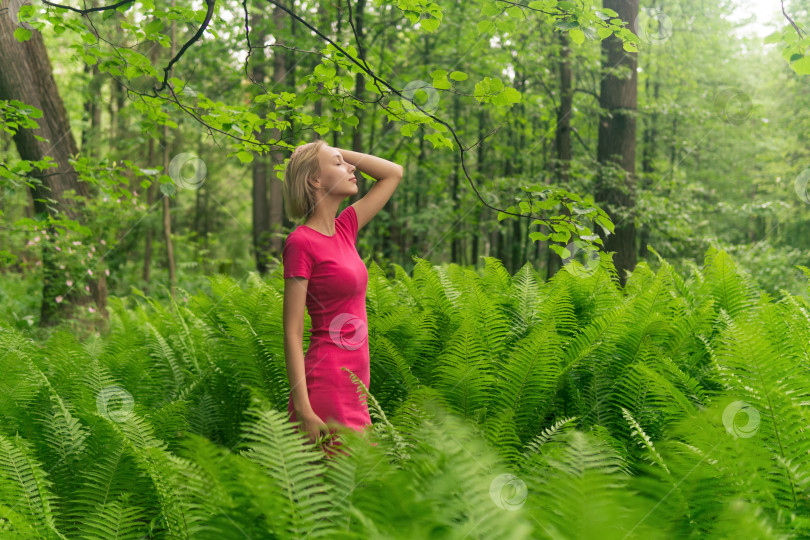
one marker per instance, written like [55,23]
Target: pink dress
[336,302]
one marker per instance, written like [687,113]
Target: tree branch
[86,11]
[208,15]
[798,30]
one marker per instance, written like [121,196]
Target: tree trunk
[617,142]
[563,132]
[359,91]
[276,204]
[167,221]
[335,133]
[92,111]
[150,197]
[26,75]
[562,140]
[673,152]
[455,243]
[648,159]
[261,218]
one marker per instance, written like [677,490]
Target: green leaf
[561,236]
[507,97]
[577,36]
[408,129]
[323,71]
[773,38]
[22,34]
[485,26]
[430,24]
[441,84]
[604,32]
[244,157]
[490,8]
[458,76]
[605,223]
[566,25]
[154,26]
[579,211]
[801,66]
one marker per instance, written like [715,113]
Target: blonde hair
[298,193]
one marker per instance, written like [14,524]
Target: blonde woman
[324,272]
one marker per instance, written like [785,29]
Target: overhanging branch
[798,30]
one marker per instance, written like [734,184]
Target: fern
[643,440]
[302,508]
[27,490]
[464,371]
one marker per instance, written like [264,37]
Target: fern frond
[524,297]
[464,371]
[118,519]
[303,505]
[643,440]
[582,491]
[528,376]
[27,487]
[546,435]
[733,291]
[383,427]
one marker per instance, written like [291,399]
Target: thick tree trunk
[617,142]
[26,75]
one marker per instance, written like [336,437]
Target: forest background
[182,121]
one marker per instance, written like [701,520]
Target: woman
[324,272]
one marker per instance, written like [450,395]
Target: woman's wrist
[374,166]
[303,410]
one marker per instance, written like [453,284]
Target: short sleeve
[297,257]
[349,218]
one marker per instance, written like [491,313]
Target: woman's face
[337,176]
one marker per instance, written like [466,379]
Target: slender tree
[617,141]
